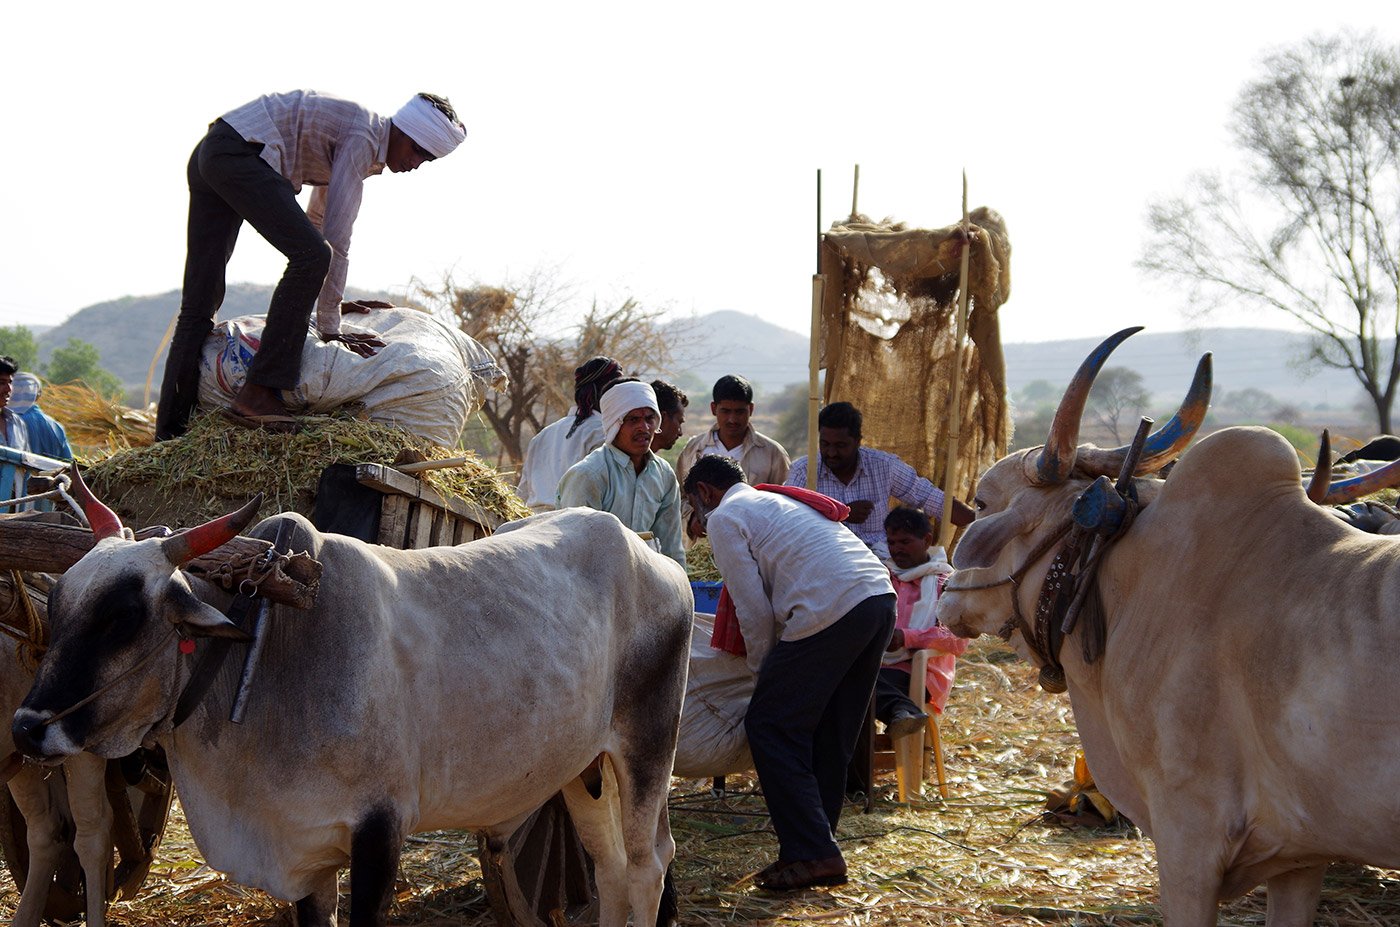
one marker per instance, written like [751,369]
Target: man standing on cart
[250,167]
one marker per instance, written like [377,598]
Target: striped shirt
[879,477]
[328,143]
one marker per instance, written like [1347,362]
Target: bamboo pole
[814,353]
[950,474]
[855,193]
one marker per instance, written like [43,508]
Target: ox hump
[1238,462]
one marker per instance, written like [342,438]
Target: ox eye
[981,506]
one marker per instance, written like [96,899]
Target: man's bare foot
[255,400]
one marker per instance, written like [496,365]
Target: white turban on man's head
[429,126]
[620,399]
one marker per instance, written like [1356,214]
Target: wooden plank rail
[388,480]
[33,545]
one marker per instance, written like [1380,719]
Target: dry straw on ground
[94,423]
[982,858]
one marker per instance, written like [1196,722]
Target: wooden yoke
[34,545]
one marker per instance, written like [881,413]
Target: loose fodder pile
[215,467]
[983,858]
[94,423]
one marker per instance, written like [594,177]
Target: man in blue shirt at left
[45,433]
[624,476]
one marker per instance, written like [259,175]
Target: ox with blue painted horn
[1236,695]
[452,687]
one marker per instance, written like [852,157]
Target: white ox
[454,687]
[1245,711]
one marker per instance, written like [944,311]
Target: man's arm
[752,607]
[908,487]
[667,525]
[341,207]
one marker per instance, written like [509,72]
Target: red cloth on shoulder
[727,636]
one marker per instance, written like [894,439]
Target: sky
[661,151]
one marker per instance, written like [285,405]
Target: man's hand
[860,511]
[695,527]
[363,345]
[896,641]
[363,305]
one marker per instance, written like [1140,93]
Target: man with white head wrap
[623,476]
[250,167]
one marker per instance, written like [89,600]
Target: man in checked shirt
[866,479]
[250,167]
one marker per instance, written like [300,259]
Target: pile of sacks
[428,379]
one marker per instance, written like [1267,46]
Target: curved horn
[1347,491]
[183,547]
[1055,461]
[102,520]
[1322,473]
[1166,443]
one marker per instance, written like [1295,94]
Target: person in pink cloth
[918,572]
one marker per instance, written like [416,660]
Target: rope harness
[32,635]
[1063,593]
[254,570]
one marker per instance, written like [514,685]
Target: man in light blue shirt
[624,476]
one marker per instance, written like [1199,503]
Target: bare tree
[1312,230]
[530,327]
[1116,390]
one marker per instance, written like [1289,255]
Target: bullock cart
[534,877]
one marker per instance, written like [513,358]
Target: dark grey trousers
[806,712]
[230,184]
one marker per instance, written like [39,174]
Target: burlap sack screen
[888,339]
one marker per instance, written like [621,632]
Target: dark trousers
[807,709]
[229,184]
[892,692]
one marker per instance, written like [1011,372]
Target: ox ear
[207,621]
[197,618]
[987,537]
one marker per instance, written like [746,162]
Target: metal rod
[1125,479]
[259,630]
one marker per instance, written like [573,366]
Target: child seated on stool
[918,571]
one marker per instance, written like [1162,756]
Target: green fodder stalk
[216,467]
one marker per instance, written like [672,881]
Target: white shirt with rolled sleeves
[790,571]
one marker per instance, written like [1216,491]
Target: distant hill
[1263,359]
[127,331]
[709,346]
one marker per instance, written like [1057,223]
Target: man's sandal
[798,874]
